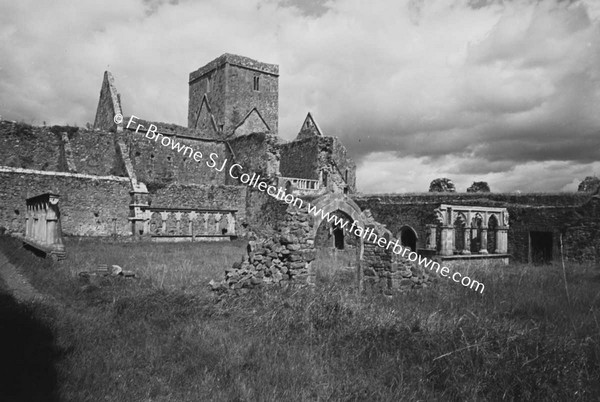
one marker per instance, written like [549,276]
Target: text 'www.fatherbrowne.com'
[368,234]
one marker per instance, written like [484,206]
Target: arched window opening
[408,238]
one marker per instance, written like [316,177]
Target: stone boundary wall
[90,205]
[570,214]
[484,199]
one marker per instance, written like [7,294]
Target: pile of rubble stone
[269,261]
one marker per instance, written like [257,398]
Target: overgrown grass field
[163,337]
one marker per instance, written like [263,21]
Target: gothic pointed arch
[253,122]
[205,120]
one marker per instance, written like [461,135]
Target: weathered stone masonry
[537,221]
[115,181]
[287,251]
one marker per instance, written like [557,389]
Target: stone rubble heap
[284,256]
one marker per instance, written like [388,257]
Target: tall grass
[520,340]
[187,266]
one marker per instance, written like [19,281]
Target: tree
[479,187]
[442,185]
[590,184]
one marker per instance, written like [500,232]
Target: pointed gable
[109,105]
[205,121]
[252,123]
[309,128]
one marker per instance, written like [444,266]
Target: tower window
[257,83]
[207,84]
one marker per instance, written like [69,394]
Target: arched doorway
[408,238]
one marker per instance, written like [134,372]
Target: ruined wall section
[263,212]
[89,205]
[284,252]
[333,159]
[566,213]
[158,166]
[257,153]
[385,271]
[581,240]
[300,159]
[491,199]
[345,165]
[29,147]
[95,153]
[281,255]
[307,158]
[242,97]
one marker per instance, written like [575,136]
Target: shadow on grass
[28,354]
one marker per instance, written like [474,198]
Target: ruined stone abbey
[112,181]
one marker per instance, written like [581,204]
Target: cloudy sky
[502,91]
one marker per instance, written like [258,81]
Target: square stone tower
[234,95]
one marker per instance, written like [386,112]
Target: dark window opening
[540,247]
[338,238]
[16,212]
[346,190]
[408,238]
[325,179]
[257,83]
[492,242]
